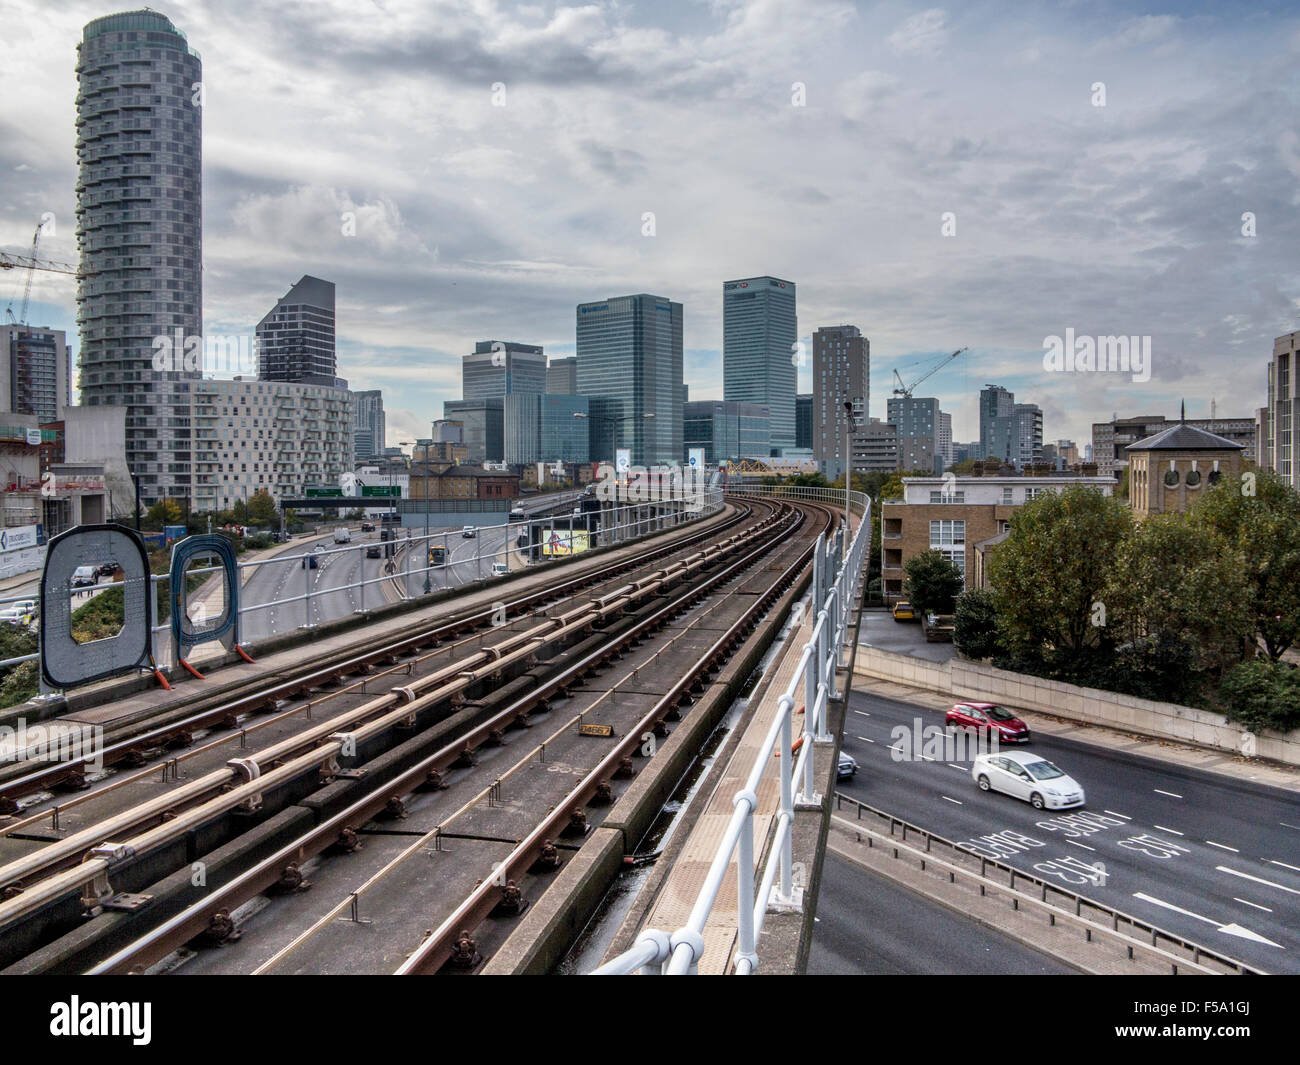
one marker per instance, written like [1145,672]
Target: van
[518,515]
[343,536]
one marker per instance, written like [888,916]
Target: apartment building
[961,517]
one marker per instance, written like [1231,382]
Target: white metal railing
[415,576]
[832,601]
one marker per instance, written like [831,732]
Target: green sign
[322,493]
[386,491]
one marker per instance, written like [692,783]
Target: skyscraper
[803,421]
[368,432]
[562,376]
[759,331]
[140,235]
[918,421]
[629,352]
[840,370]
[1029,433]
[296,338]
[502,368]
[998,428]
[34,371]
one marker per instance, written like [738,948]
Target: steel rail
[190,922]
[337,736]
[130,747]
[437,947]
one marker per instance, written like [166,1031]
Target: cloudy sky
[820,141]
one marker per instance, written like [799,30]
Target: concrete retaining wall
[1127,713]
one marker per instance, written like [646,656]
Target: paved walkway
[682,885]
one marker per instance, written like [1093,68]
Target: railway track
[451,714]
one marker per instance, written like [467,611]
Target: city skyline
[1125,218]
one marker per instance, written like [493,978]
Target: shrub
[1262,695]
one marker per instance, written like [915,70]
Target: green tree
[261,508]
[1258,517]
[975,625]
[1262,694]
[1049,575]
[932,582]
[964,467]
[1176,594]
[164,512]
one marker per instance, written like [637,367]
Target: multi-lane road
[1206,856]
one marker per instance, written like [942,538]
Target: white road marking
[1171,794]
[1257,879]
[1222,846]
[863,713]
[961,767]
[1171,831]
[868,739]
[954,800]
[1273,861]
[1247,902]
[1229,929]
[1285,825]
[1114,814]
[1083,845]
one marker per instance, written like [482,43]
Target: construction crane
[907,390]
[31,263]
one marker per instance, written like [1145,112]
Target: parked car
[367,526]
[988,719]
[83,576]
[847,767]
[16,617]
[1026,776]
[903,611]
[469,532]
[500,569]
[107,569]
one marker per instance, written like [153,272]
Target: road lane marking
[1171,831]
[1114,814]
[1257,879]
[1229,929]
[961,767]
[1171,794]
[867,739]
[1285,825]
[862,712]
[1249,903]
[954,800]
[1083,845]
[1222,846]
[1284,865]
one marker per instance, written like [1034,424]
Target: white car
[1029,777]
[500,569]
[469,532]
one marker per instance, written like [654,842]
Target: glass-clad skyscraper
[629,352]
[759,332]
[140,235]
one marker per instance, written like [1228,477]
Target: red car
[988,718]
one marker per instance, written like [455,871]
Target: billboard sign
[696,458]
[622,459]
[560,543]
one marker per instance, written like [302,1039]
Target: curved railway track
[444,705]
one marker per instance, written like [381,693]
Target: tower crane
[907,390]
[31,263]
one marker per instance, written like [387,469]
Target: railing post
[361,560]
[786,889]
[745,883]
